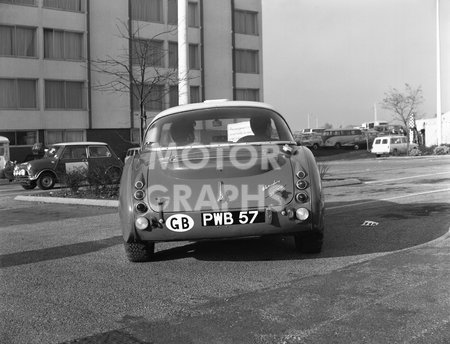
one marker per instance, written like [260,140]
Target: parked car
[311,140]
[63,158]
[338,138]
[131,152]
[394,145]
[216,170]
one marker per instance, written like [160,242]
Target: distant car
[338,138]
[216,170]
[311,140]
[131,152]
[391,145]
[63,158]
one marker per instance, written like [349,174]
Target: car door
[99,158]
[73,160]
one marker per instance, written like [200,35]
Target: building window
[63,45]
[21,137]
[154,98]
[57,136]
[194,57]
[147,10]
[67,5]
[173,55]
[192,13]
[17,41]
[246,22]
[247,94]
[150,51]
[18,94]
[20,2]
[247,61]
[194,93]
[67,95]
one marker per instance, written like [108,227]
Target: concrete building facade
[50,83]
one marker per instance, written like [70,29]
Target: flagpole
[438,79]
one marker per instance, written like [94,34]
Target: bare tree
[139,70]
[403,105]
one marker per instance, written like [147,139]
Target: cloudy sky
[335,59]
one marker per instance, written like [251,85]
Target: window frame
[65,108]
[15,43]
[17,97]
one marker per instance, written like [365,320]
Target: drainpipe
[202,52]
[88,53]
[130,68]
[233,46]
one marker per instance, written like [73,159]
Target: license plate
[228,218]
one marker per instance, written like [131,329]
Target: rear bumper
[275,223]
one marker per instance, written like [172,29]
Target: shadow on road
[390,227]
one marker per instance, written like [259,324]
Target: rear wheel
[356,147]
[315,146]
[309,242]
[29,186]
[46,181]
[337,145]
[395,152]
[139,251]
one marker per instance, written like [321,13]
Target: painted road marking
[403,178]
[388,199]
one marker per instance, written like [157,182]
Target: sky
[331,61]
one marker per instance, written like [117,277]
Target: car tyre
[337,145]
[310,242]
[315,146]
[139,251]
[46,181]
[395,152]
[29,186]
[356,147]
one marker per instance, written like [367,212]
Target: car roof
[210,104]
[79,143]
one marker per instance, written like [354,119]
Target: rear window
[385,141]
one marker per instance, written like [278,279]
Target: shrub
[441,150]
[101,183]
[75,178]
[414,151]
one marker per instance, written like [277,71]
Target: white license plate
[228,218]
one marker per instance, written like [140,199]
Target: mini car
[218,170]
[391,145]
[62,159]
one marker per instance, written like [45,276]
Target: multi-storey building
[48,49]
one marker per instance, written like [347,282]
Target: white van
[394,145]
[4,153]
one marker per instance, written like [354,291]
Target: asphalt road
[382,277]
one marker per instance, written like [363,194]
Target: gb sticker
[179,223]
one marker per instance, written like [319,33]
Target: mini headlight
[141,223]
[302,214]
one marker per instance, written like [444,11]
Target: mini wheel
[46,181]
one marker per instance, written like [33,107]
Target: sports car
[216,170]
